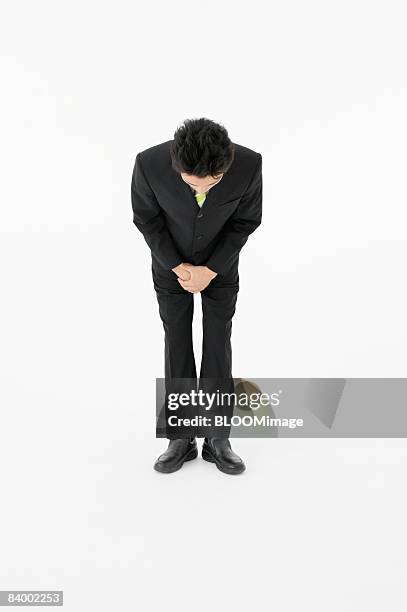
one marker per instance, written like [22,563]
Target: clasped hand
[193,278]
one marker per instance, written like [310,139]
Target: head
[202,153]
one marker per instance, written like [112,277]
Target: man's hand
[200,277]
[182,272]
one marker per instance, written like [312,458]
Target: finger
[189,287]
[188,269]
[185,284]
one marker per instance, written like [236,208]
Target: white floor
[312,524]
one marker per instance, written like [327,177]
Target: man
[196,199]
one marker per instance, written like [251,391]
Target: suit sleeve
[149,219]
[241,224]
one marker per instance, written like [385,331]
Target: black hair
[201,147]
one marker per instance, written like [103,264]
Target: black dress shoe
[178,451]
[219,451]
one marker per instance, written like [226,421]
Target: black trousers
[176,308]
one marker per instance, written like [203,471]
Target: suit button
[199,237]
[197,252]
[200,216]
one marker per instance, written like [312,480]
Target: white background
[320,89]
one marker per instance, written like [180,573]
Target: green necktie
[200,198]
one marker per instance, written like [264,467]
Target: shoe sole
[207,456]
[192,454]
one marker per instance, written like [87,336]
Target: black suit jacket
[176,229]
